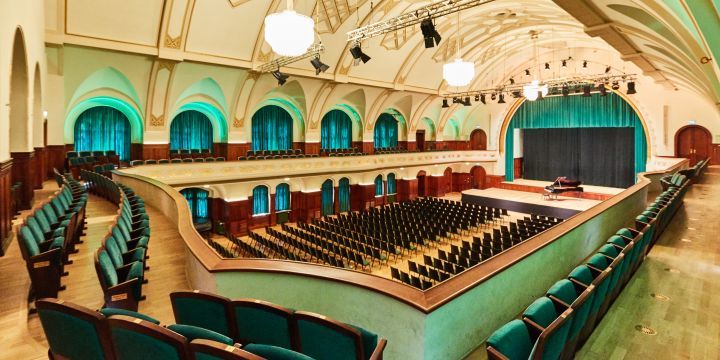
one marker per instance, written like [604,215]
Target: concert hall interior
[354,179]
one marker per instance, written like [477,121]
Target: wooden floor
[563,202]
[587,188]
[22,336]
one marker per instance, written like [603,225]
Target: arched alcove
[272,129]
[103,128]
[19,95]
[191,129]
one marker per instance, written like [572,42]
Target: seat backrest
[203,309]
[203,349]
[552,340]
[105,268]
[138,339]
[28,244]
[512,340]
[74,332]
[261,322]
[323,338]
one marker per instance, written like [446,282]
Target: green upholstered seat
[204,310]
[133,339]
[108,312]
[512,340]
[369,339]
[108,269]
[275,352]
[566,291]
[262,323]
[584,275]
[322,338]
[542,311]
[72,332]
[193,332]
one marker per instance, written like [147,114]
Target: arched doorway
[693,142]
[422,182]
[478,177]
[20,142]
[478,140]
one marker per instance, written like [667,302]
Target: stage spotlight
[517,94]
[280,77]
[615,85]
[586,91]
[564,63]
[456,100]
[602,89]
[445,104]
[512,81]
[565,90]
[607,69]
[540,96]
[527,72]
[585,64]
[477,98]
[631,88]
[358,54]
[318,65]
[467,101]
[502,99]
[547,66]
[432,37]
[493,96]
[482,99]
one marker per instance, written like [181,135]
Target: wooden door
[421,184]
[478,140]
[448,179]
[693,142]
[478,177]
[420,140]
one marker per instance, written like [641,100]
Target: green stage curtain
[282,197]
[576,112]
[328,207]
[260,200]
[335,131]
[191,130]
[378,185]
[197,200]
[103,128]
[391,186]
[272,129]
[344,195]
[386,131]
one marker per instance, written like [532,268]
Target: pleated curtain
[272,129]
[391,185]
[386,131]
[282,197]
[577,112]
[327,206]
[260,200]
[378,185]
[103,128]
[197,201]
[335,131]
[191,130]
[344,195]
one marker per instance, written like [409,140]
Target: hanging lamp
[289,33]
[458,73]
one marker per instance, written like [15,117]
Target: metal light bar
[435,10]
[314,50]
[572,81]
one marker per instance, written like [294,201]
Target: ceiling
[665,39]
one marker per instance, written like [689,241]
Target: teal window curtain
[103,128]
[272,129]
[197,201]
[260,200]
[336,131]
[391,186]
[191,130]
[344,195]
[379,185]
[282,197]
[327,207]
[386,131]
[576,112]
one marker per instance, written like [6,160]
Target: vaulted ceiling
[669,40]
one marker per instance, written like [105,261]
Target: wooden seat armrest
[559,302]
[495,355]
[122,271]
[533,328]
[50,256]
[379,349]
[578,283]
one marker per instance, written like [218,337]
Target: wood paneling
[357,145]
[461,181]
[219,149]
[24,171]
[492,181]
[478,175]
[518,167]
[236,150]
[693,142]
[407,189]
[457,145]
[478,140]
[298,145]
[155,151]
[235,214]
[41,164]
[541,190]
[312,148]
[6,212]
[411,146]
[715,159]
[307,205]
[56,158]
[136,151]
[436,185]
[368,148]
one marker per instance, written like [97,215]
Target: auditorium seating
[582,299]
[74,160]
[390,150]
[49,234]
[274,154]
[176,161]
[342,152]
[190,153]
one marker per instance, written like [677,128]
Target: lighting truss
[555,85]
[435,10]
[314,50]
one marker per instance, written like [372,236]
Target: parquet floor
[22,336]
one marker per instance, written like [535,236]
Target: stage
[528,202]
[538,186]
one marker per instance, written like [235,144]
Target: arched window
[198,201]
[327,207]
[344,195]
[103,128]
[282,197]
[336,131]
[391,186]
[261,200]
[191,129]
[386,131]
[379,186]
[272,129]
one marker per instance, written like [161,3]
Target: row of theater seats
[557,324]
[49,235]
[207,326]
[342,152]
[176,161]
[120,261]
[190,153]
[390,150]
[88,159]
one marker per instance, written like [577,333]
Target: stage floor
[586,188]
[528,202]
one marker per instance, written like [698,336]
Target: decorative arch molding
[430,125]
[208,89]
[38,118]
[217,118]
[419,113]
[451,125]
[107,78]
[130,112]
[402,131]
[19,121]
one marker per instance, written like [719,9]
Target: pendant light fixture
[289,33]
[458,73]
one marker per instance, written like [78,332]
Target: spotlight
[564,63]
[477,97]
[467,101]
[585,64]
[586,91]
[512,81]
[432,37]
[607,69]
[578,90]
[540,96]
[517,94]
[602,89]
[527,72]
[493,96]
[631,88]
[482,98]
[615,85]
[280,77]
[502,99]
[318,65]
[547,66]
[445,104]
[456,100]
[358,54]
[565,90]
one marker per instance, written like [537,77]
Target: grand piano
[561,185]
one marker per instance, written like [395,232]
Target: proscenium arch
[133,116]
[291,109]
[219,123]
